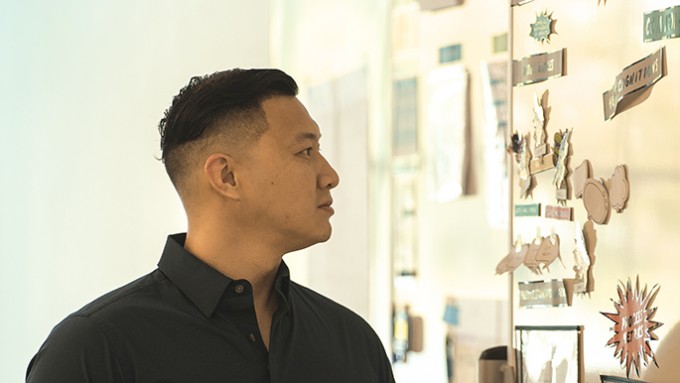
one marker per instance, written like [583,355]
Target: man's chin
[327,236]
[313,241]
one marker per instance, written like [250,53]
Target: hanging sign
[538,67]
[638,76]
[634,325]
[661,24]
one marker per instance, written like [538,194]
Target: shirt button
[251,337]
[239,289]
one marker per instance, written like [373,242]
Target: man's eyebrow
[307,136]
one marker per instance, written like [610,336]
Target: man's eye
[307,152]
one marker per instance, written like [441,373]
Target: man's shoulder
[123,297]
[88,342]
[327,308]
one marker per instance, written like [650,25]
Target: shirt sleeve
[76,351]
[385,373]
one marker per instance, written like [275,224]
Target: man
[243,154]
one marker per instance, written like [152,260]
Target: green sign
[530,210]
[662,24]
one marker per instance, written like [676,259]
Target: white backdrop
[85,206]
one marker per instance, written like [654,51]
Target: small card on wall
[528,210]
[559,212]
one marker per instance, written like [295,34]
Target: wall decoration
[540,294]
[549,251]
[531,259]
[450,53]
[404,135]
[522,157]
[543,27]
[447,123]
[581,262]
[537,256]
[542,154]
[619,188]
[549,354]
[596,201]
[560,180]
[528,210]
[661,24]
[590,237]
[562,213]
[600,196]
[495,95]
[538,67]
[434,5]
[629,85]
[616,379]
[405,224]
[541,146]
[581,175]
[634,326]
[513,259]
[584,258]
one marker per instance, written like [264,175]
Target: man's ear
[219,168]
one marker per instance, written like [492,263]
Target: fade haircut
[224,105]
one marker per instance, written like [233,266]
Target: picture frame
[549,354]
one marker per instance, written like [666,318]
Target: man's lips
[327,206]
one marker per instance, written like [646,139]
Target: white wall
[85,206]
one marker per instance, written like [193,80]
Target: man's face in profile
[287,183]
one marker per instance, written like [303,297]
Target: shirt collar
[203,285]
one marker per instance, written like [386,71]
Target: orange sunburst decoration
[634,326]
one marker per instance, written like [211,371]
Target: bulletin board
[595,219]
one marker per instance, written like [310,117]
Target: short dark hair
[226,102]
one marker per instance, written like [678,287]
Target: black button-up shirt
[186,322]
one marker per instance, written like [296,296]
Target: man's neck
[238,260]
